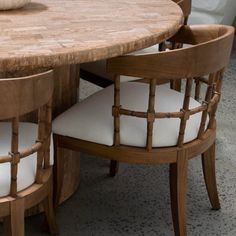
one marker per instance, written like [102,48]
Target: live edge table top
[49,33]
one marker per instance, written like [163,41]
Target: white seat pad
[151,49]
[27,166]
[92,119]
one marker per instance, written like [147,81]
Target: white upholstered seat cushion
[151,49]
[27,166]
[92,120]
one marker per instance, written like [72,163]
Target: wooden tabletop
[59,32]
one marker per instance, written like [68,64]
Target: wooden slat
[151,114]
[48,129]
[215,97]
[208,97]
[197,89]
[41,138]
[15,156]
[185,110]
[116,111]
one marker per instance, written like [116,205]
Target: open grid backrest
[207,57]
[19,96]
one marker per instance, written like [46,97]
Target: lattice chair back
[19,96]
[204,61]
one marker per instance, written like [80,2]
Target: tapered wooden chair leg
[14,225]
[178,188]
[114,167]
[208,166]
[50,214]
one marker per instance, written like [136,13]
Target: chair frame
[14,105]
[209,55]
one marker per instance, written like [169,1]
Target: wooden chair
[25,163]
[96,73]
[154,124]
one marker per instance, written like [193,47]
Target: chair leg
[208,166]
[50,214]
[178,188]
[114,167]
[14,225]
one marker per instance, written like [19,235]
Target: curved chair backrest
[19,96]
[208,56]
[185,5]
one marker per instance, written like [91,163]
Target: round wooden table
[62,33]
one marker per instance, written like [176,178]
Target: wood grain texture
[205,61]
[66,80]
[178,190]
[66,173]
[59,32]
[208,166]
[17,104]
[14,223]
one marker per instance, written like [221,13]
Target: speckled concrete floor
[136,202]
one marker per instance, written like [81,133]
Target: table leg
[66,81]
[65,95]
